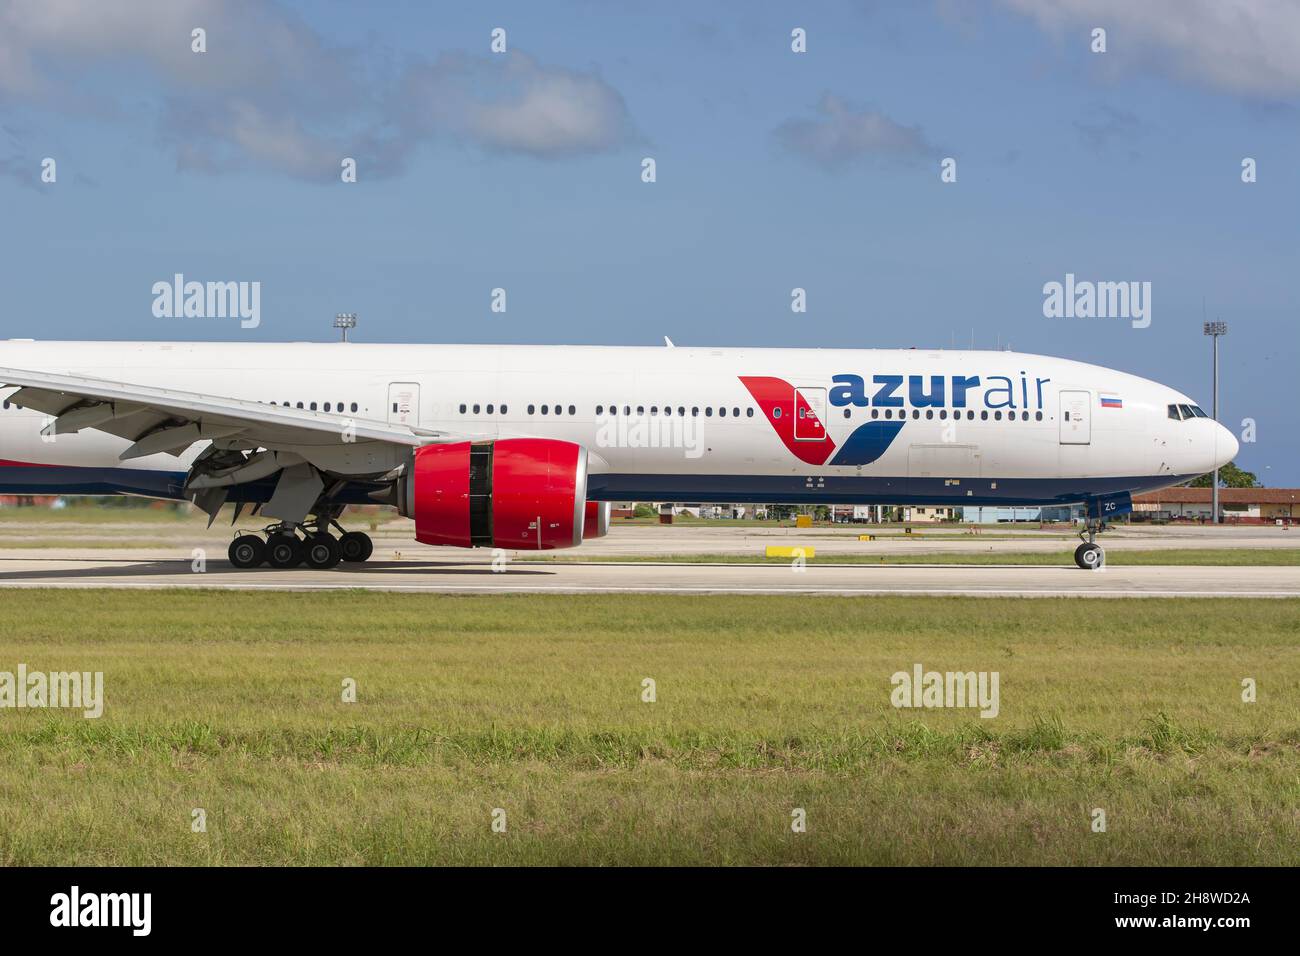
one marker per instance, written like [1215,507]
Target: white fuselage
[688,424]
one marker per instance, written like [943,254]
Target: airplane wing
[169,420]
[249,440]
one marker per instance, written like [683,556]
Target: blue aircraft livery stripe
[867,443]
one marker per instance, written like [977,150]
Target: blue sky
[775,170]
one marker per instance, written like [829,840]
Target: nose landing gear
[1090,556]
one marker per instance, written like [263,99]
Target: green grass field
[232,703]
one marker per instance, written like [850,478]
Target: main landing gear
[1090,555]
[289,545]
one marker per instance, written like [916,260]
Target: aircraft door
[809,414]
[1076,417]
[403,403]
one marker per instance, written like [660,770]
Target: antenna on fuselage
[669,342]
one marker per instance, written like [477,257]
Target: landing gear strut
[1090,555]
[289,545]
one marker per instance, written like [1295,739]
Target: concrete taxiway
[418,572]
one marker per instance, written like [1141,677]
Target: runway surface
[421,573]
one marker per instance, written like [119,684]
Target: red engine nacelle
[527,494]
[596,523]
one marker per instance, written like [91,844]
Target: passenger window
[600,409]
[544,409]
[573,410]
[532,409]
[354,406]
[489,409]
[749,413]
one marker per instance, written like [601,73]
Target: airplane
[524,447]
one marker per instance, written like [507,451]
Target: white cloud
[841,134]
[271,92]
[1242,46]
[511,103]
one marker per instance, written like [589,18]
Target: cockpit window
[1184,412]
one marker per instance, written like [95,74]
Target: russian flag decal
[1111,401]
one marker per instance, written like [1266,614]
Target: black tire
[284,551]
[1089,556]
[356,546]
[322,552]
[247,551]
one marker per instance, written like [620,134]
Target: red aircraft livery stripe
[776,400]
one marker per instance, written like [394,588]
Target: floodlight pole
[344,321]
[1214,330]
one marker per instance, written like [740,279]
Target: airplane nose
[1225,446]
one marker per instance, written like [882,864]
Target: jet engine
[527,494]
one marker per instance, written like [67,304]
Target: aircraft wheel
[247,551]
[323,552]
[1089,556]
[284,551]
[356,546]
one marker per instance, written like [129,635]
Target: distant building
[929,513]
[994,515]
[1243,505]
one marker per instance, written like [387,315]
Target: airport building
[1240,505]
[994,515]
